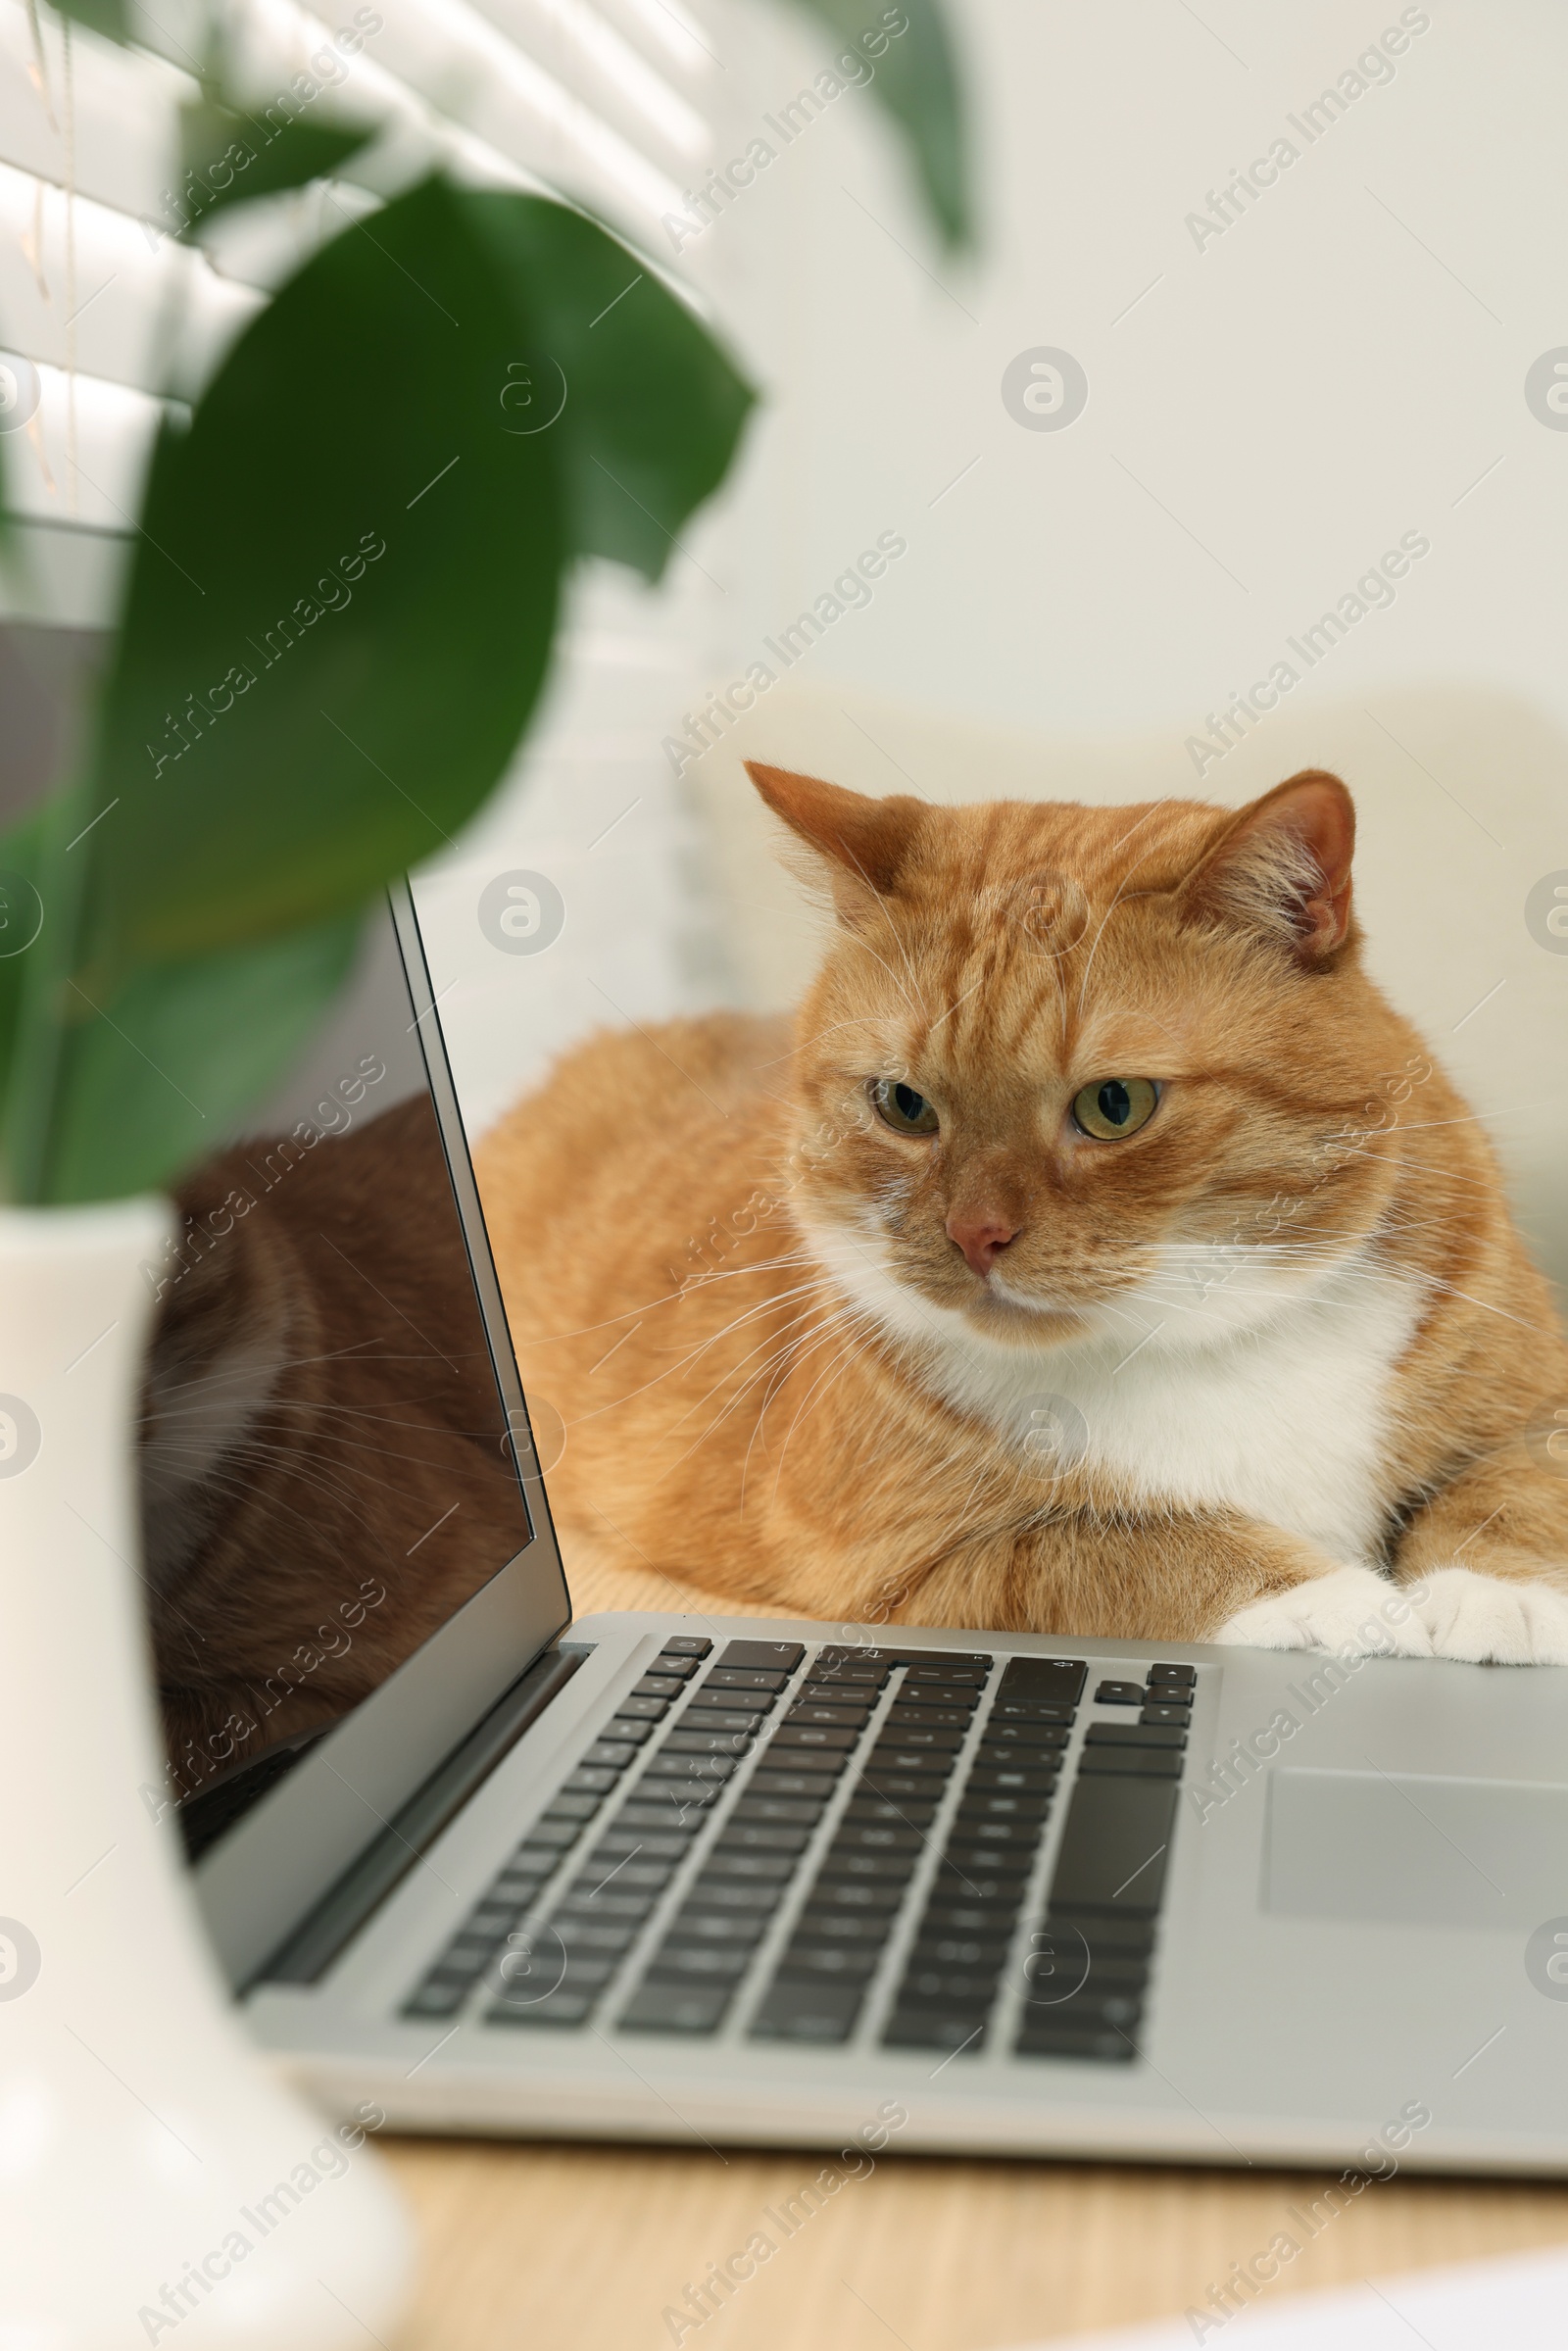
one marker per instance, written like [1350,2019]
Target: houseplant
[335,627]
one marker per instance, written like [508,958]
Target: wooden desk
[574,2248]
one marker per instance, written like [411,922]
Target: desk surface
[576,2248]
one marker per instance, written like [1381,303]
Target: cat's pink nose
[981,1236]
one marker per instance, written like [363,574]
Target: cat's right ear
[866,842]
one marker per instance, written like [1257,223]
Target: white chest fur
[1245,1387]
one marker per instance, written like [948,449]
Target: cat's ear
[1282,868]
[867,842]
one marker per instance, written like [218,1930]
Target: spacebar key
[1114,1846]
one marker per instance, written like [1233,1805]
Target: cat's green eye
[902,1108]
[1112,1107]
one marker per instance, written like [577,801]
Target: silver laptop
[693,1878]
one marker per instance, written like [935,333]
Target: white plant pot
[157,2183]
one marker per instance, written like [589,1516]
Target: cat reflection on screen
[325,1469]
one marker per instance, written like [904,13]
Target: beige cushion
[1459,798]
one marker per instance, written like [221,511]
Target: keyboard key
[687,1644]
[924,1786]
[697,1924]
[890,1756]
[538,1860]
[871,1811]
[590,1780]
[1179,1716]
[632,1877]
[666,1817]
[676,2008]
[1030,1710]
[621,1735]
[1102,1934]
[972,1988]
[729,1677]
[757,1867]
[762,1836]
[903,1719]
[711,1769]
[737,1893]
[974,1951]
[554,1832]
[1115,1846]
[812,1782]
[1005,1833]
[993,1879]
[1059,1679]
[438,1997]
[1007,1736]
[1001,1804]
[833,1963]
[842,1718]
[647,1845]
[1057,2040]
[1149,1763]
[1019,1777]
[916,1735]
[749,1706]
[843,1927]
[937,1661]
[945,1915]
[972,1864]
[856,1898]
[572,1808]
[783,1656]
[562,2007]
[881,1866]
[646,1709]
[698,1963]
[613,1754]
[671,1662]
[1133,1734]
[612,1904]
[1120,1693]
[963,2032]
[807,2012]
[787,1811]
[1182,1677]
[657,1685]
[597,1936]
[793,1735]
[876,1838]
[705,1742]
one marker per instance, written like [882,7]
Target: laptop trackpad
[1415,1848]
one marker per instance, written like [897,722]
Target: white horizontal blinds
[602,102]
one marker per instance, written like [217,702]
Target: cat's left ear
[1282,868]
[865,841]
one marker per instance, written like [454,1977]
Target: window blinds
[601,100]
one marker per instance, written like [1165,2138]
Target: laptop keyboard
[894,1784]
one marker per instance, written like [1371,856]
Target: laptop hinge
[325,1932]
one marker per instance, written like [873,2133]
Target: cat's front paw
[1488,1620]
[1352,1611]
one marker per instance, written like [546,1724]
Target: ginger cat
[1099,1253]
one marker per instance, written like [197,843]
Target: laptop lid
[348,1551]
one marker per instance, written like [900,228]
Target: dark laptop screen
[327,1472]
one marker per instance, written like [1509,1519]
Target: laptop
[696,1879]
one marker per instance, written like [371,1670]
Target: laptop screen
[328,1468]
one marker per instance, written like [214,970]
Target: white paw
[1487,1620]
[1352,1611]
